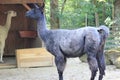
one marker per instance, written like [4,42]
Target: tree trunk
[96,14]
[113,11]
[54,19]
[86,20]
[117,13]
[104,12]
[96,19]
[63,5]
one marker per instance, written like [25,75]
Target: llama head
[35,13]
[12,13]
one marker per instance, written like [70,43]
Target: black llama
[63,43]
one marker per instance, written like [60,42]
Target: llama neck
[41,25]
[8,21]
[42,28]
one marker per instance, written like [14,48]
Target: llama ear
[43,5]
[36,6]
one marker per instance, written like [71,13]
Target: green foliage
[74,13]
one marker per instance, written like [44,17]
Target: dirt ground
[75,70]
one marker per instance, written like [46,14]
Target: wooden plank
[18,58]
[33,57]
[19,1]
[46,61]
[26,6]
[5,66]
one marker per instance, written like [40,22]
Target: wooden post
[26,6]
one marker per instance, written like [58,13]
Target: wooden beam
[26,6]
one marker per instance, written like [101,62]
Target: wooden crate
[33,57]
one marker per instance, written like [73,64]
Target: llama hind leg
[60,63]
[101,65]
[93,66]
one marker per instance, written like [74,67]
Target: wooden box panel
[19,1]
[33,57]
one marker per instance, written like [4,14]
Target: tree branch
[63,5]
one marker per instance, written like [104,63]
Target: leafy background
[76,12]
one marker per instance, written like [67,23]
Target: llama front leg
[1,56]
[2,51]
[93,66]
[60,62]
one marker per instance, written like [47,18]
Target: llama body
[73,43]
[4,32]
